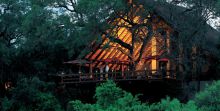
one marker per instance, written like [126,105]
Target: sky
[214,22]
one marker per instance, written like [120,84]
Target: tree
[109,98]
[196,40]
[34,39]
[10,21]
[31,94]
[36,36]
[112,98]
[173,104]
[208,100]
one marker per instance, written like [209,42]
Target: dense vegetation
[33,94]
[112,98]
[37,36]
[29,95]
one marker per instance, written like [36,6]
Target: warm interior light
[154,53]
[154,66]
[124,34]
[154,46]
[136,19]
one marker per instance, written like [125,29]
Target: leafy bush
[31,94]
[173,105]
[209,99]
[110,98]
[108,93]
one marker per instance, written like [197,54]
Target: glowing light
[154,66]
[154,46]
[136,19]
[154,53]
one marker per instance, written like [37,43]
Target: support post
[90,70]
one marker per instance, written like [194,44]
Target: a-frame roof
[116,52]
[177,17]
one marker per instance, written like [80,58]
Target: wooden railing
[116,76]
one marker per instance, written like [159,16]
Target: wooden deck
[115,76]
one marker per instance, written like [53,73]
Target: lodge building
[139,46]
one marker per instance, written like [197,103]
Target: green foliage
[112,98]
[10,21]
[104,5]
[31,94]
[79,106]
[209,99]
[37,36]
[6,104]
[173,105]
[100,10]
[34,38]
[107,93]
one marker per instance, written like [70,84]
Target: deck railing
[117,76]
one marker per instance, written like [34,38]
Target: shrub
[110,98]
[107,94]
[31,94]
[173,105]
[209,99]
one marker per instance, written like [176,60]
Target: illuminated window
[154,53]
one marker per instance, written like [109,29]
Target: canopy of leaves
[31,94]
[37,36]
[209,99]
[112,98]
[34,38]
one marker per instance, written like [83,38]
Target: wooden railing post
[80,76]
[61,79]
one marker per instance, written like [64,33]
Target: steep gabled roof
[178,17]
[172,15]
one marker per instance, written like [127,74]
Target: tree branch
[119,41]
[145,41]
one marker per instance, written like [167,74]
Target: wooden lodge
[136,48]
